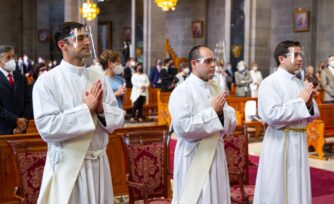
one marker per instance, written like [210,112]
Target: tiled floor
[255,149]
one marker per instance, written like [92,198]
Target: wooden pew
[8,181]
[148,108]
[163,112]
[321,132]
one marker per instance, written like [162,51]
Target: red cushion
[147,165]
[236,193]
[235,155]
[31,170]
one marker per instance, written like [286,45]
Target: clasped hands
[93,98]
[307,94]
[218,103]
[21,125]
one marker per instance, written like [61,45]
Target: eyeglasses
[79,37]
[295,54]
[207,60]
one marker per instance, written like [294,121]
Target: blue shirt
[115,83]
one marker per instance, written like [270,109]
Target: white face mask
[10,65]
[132,63]
[186,70]
[331,63]
[118,69]
[241,68]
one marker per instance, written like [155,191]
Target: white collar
[73,68]
[5,72]
[285,73]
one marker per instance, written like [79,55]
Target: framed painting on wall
[104,38]
[43,35]
[301,20]
[197,29]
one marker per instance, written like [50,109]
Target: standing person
[111,63]
[200,118]
[257,79]
[75,110]
[327,81]
[128,71]
[155,74]
[15,103]
[287,106]
[242,80]
[183,73]
[139,92]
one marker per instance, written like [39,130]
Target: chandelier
[166,5]
[89,10]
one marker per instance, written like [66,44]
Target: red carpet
[322,183]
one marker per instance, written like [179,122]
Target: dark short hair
[195,54]
[5,48]
[166,61]
[137,65]
[62,31]
[283,48]
[109,55]
[36,68]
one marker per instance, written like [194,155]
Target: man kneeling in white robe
[199,113]
[287,106]
[74,111]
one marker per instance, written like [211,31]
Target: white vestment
[194,119]
[283,172]
[61,116]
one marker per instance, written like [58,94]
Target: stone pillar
[259,35]
[42,25]
[154,33]
[29,32]
[133,28]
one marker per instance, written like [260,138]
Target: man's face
[5,57]
[292,61]
[77,44]
[204,67]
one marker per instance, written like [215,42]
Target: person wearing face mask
[327,80]
[242,80]
[15,103]
[257,79]
[154,77]
[183,73]
[27,65]
[110,61]
[230,74]
[128,71]
[139,93]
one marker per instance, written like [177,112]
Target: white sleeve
[188,124]
[53,123]
[114,116]
[276,112]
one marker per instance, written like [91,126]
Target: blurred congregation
[117,98]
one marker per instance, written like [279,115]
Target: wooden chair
[236,149]
[30,156]
[147,155]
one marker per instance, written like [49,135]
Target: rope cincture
[286,130]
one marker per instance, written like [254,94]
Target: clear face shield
[82,40]
[298,60]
